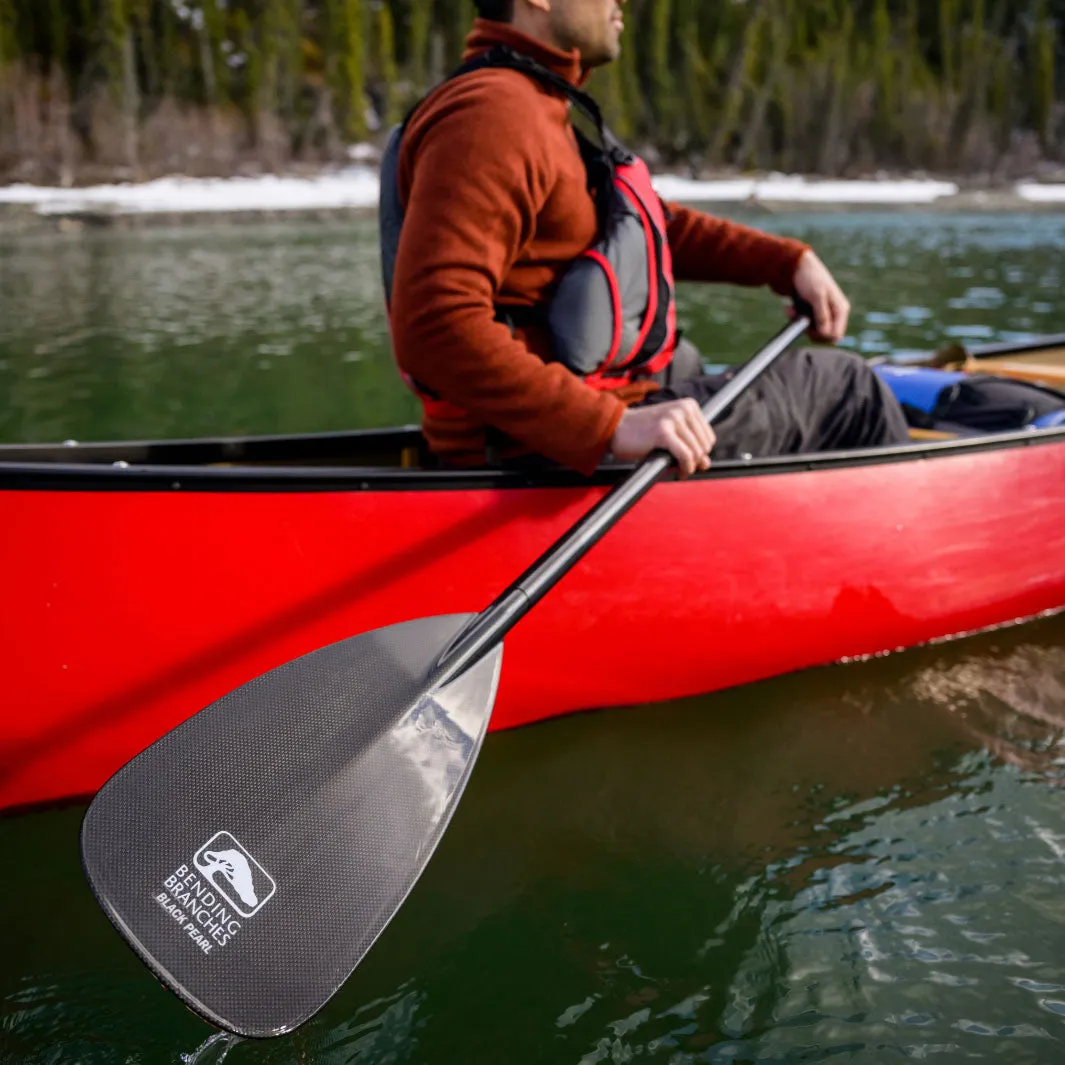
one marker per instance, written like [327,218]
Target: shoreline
[351,193]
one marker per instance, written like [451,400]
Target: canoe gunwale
[55,476]
[1019,347]
[202,451]
[312,462]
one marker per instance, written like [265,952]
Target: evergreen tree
[419,23]
[1044,49]
[387,74]
[839,85]
[115,29]
[352,68]
[884,56]
[9,50]
[948,26]
[662,84]
[212,40]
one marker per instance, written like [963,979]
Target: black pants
[813,399]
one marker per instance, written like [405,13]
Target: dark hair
[497,10]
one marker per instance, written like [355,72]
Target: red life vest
[613,317]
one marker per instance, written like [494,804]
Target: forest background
[132,89]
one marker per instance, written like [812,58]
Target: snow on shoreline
[358,186]
[1034,193]
[785,189]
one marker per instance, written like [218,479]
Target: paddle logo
[236,875]
[209,901]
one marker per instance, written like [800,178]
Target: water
[164,333]
[864,863]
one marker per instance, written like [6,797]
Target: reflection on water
[194,332]
[385,1030]
[865,861]
[1014,704]
[240,329]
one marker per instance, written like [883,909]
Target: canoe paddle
[252,855]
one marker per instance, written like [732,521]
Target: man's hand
[815,284]
[679,427]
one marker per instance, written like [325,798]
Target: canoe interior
[1039,361]
[398,448]
[404,449]
[1043,349]
[1041,367]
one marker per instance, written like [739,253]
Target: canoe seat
[1038,372]
[1043,366]
[930,435]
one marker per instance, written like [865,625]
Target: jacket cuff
[588,461]
[782,281]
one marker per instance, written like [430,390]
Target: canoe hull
[127,611]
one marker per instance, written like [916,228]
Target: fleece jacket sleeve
[705,248]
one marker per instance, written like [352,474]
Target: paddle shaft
[496,620]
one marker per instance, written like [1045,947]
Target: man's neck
[487,33]
[534,23]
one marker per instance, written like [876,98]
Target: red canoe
[147,580]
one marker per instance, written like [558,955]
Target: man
[496,208]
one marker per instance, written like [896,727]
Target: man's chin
[601,57]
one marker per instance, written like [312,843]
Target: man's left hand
[815,284]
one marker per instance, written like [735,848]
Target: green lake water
[863,863]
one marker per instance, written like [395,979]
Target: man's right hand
[677,427]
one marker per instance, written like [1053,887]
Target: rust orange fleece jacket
[497,208]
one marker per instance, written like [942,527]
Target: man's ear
[540,5]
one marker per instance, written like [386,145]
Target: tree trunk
[130,104]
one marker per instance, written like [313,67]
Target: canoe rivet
[176,485]
[121,464]
[70,443]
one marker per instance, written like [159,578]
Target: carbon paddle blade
[253,855]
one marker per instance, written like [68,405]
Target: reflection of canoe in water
[147,580]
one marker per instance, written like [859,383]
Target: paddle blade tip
[252,856]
